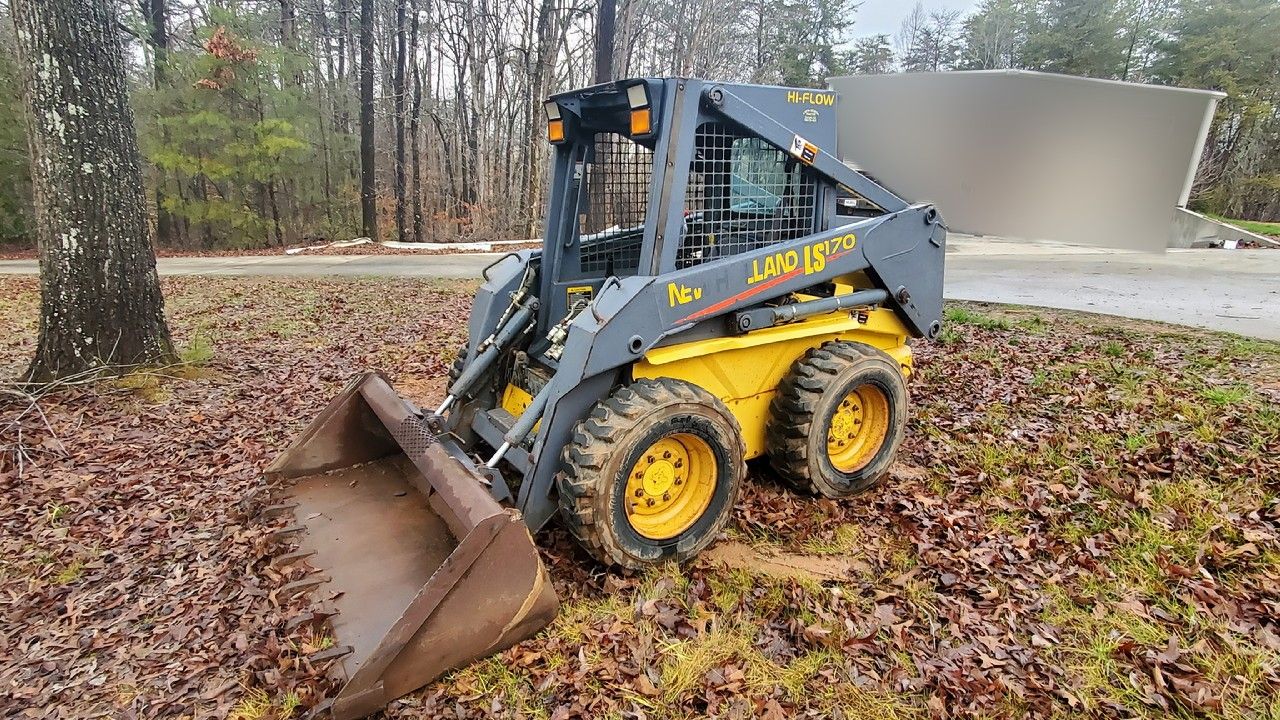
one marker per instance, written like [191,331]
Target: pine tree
[1077,37]
[808,34]
[1230,45]
[871,55]
[235,137]
[15,178]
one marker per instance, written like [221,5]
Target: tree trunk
[100,297]
[368,198]
[604,40]
[546,39]
[157,16]
[343,94]
[288,25]
[415,122]
[398,78]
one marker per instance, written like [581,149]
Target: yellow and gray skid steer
[700,299]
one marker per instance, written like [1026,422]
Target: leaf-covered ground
[1084,521]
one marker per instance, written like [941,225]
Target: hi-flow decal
[814,256]
[808,97]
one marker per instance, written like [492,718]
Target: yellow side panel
[515,401]
[744,371]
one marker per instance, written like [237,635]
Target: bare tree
[368,196]
[929,42]
[399,90]
[101,304]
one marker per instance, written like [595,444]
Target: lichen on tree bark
[101,305]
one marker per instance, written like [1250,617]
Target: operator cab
[648,178]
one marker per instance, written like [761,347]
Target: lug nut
[666,497]
[666,454]
[679,462]
[649,502]
[679,481]
[639,492]
[648,458]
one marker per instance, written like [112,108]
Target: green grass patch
[55,513]
[844,540]
[258,705]
[71,573]
[949,336]
[1224,396]
[964,316]
[198,351]
[1271,229]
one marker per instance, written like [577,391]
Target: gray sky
[885,16]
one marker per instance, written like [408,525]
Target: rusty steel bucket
[417,570]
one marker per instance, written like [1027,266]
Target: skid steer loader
[698,301]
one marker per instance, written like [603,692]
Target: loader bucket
[420,568]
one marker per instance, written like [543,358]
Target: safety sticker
[803,149]
[579,292]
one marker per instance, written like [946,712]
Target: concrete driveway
[1233,290]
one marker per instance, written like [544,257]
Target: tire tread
[596,437]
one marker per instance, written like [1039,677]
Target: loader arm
[901,252]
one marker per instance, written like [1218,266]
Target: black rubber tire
[801,411]
[456,367]
[607,443]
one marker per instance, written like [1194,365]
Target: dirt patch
[780,564]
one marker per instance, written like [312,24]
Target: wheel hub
[858,428]
[670,485]
[658,478]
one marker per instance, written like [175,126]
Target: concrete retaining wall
[1192,230]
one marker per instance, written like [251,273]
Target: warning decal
[806,151]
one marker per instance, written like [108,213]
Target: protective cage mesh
[743,194]
[612,226]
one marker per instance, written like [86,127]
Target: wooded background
[249,113]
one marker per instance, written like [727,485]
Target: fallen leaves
[131,583]
[1067,530]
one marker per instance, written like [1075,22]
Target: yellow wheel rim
[858,428]
[670,486]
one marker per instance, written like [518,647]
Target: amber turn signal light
[640,124]
[555,130]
